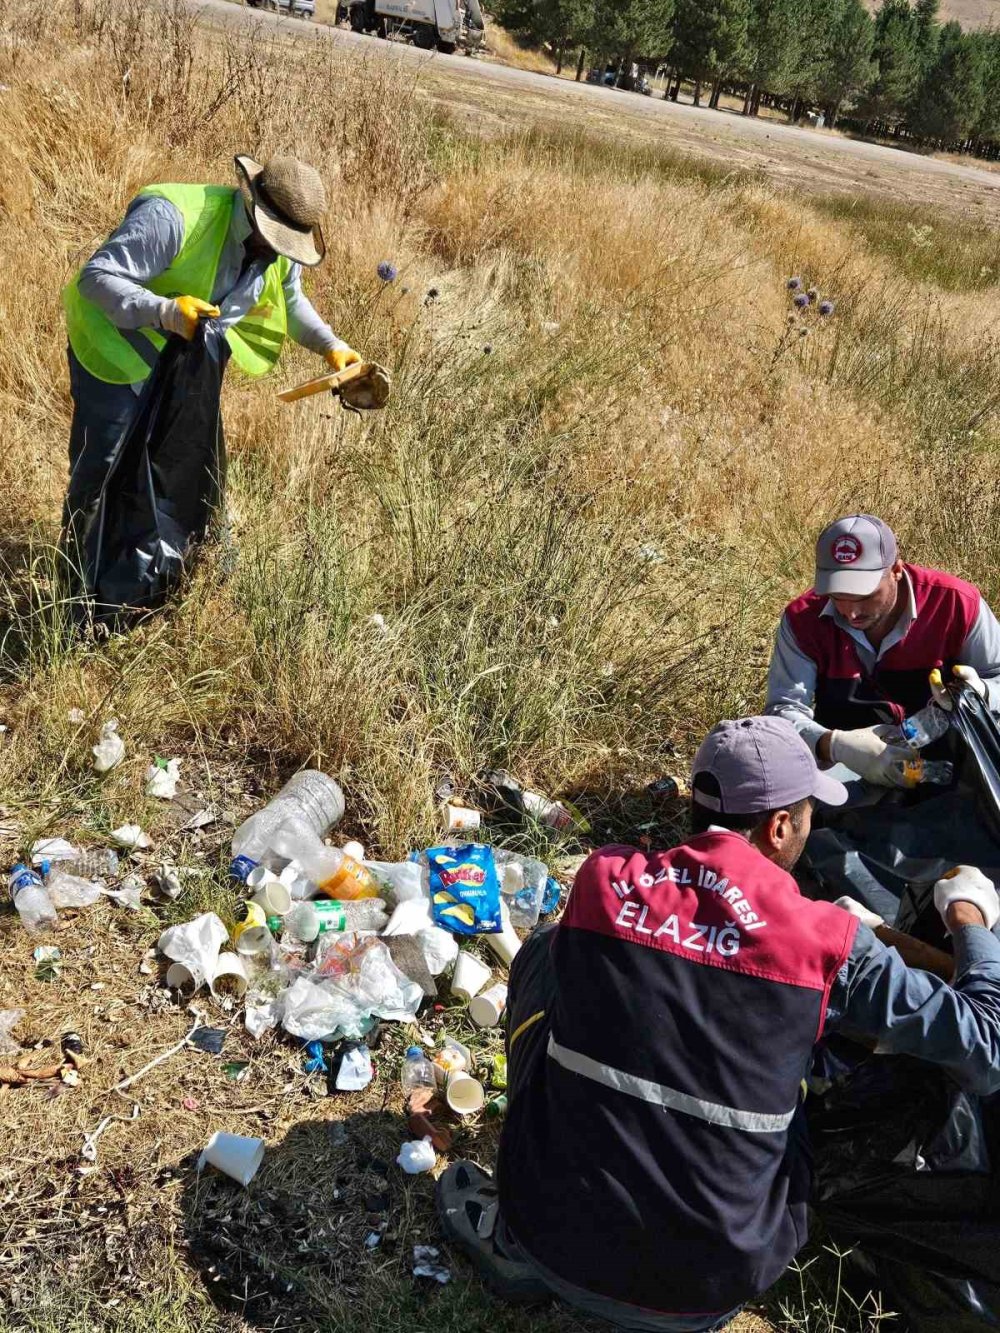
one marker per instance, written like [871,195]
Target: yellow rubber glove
[339,358]
[182,316]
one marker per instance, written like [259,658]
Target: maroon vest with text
[848,696]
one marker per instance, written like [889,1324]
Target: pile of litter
[326,947]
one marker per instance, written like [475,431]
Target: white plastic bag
[439,947]
[195,945]
[416,1156]
[409,917]
[131,837]
[319,1010]
[110,748]
[162,780]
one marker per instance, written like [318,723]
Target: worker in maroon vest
[854,653]
[653,1169]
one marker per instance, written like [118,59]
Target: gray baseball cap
[853,554]
[760,764]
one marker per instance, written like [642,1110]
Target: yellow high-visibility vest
[207,212]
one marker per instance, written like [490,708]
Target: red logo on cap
[846,550]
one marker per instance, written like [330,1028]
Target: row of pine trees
[898,72]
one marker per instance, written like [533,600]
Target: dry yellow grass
[601,475]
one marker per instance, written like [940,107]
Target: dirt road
[497,95]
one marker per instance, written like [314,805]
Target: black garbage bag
[165,481]
[904,1164]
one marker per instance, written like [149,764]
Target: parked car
[630,80]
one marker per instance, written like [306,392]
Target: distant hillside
[970,13]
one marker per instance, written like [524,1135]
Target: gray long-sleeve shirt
[148,241]
[909,1012]
[791,679]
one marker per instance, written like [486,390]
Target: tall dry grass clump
[605,461]
[562,549]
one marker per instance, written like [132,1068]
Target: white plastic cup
[469,977]
[229,977]
[460,819]
[253,941]
[273,897]
[486,1009]
[259,876]
[235,1156]
[464,1094]
[354,849]
[506,944]
[182,978]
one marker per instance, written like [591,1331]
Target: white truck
[449,25]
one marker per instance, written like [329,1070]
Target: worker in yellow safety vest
[231,256]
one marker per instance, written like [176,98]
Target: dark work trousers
[101,414]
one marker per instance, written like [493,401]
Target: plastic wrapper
[110,748]
[132,838]
[9,1019]
[404,880]
[70,890]
[318,1010]
[416,1157]
[162,779]
[440,949]
[195,944]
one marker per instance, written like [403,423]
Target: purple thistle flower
[794,284]
[801,301]
[826,308]
[387,271]
[813,294]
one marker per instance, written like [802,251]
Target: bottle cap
[414,1053]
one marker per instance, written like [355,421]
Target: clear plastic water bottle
[98,863]
[522,883]
[306,921]
[310,802]
[922,728]
[418,1073]
[28,893]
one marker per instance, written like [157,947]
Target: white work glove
[864,914]
[966,884]
[971,677]
[866,753]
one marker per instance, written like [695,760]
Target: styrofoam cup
[464,1094]
[182,978]
[469,977]
[273,898]
[487,1008]
[237,1157]
[354,849]
[229,977]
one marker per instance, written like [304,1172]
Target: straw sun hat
[285,200]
